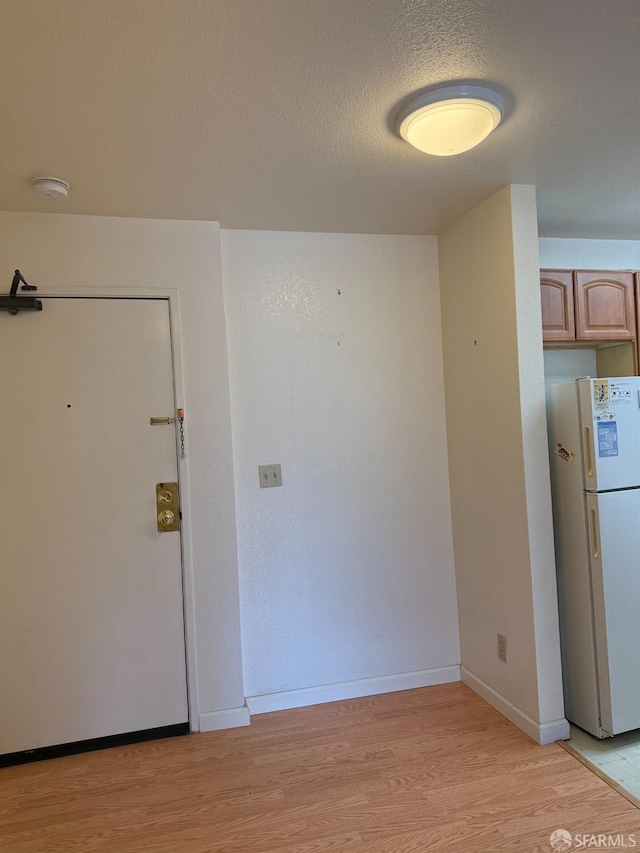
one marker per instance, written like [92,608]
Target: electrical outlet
[502,647]
[270,475]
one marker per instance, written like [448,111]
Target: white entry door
[91,609]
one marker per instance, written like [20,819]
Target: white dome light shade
[450,120]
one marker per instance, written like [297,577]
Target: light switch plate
[270,475]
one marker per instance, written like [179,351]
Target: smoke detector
[50,187]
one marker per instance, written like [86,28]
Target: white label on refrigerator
[620,392]
[607,438]
[601,394]
[564,453]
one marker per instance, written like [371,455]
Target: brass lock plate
[167,507]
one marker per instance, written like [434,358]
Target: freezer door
[610,415]
[614,542]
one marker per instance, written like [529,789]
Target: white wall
[498,463]
[563,365]
[59,253]
[562,253]
[335,363]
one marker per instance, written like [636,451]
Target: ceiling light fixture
[450,120]
[50,187]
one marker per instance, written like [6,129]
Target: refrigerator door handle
[588,452]
[595,537]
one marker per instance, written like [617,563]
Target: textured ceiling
[279,114]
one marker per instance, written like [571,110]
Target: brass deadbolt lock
[166,518]
[167,507]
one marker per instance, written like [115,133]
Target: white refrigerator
[594,440]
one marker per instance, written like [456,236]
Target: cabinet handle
[595,545]
[588,452]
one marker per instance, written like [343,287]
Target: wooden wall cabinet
[588,305]
[637,292]
[605,306]
[558,316]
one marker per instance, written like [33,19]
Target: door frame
[172,297]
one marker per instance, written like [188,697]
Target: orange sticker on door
[563,453]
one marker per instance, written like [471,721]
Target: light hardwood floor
[435,769]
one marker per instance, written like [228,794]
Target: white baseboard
[351,689]
[540,732]
[233,718]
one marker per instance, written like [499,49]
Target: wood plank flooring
[431,770]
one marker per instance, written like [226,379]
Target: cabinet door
[605,308]
[636,349]
[556,294]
